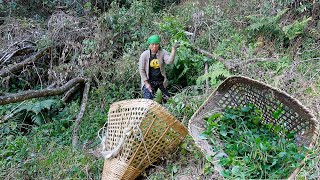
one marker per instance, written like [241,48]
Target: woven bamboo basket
[154,134]
[238,91]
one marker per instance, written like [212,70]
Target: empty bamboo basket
[140,131]
[238,91]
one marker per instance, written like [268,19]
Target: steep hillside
[62,63]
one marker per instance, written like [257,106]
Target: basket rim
[230,79]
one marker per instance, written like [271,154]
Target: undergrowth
[36,142]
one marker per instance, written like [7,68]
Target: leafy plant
[296,28]
[173,27]
[217,72]
[187,67]
[158,96]
[36,110]
[185,103]
[267,26]
[253,149]
[89,46]
[231,47]
[25,115]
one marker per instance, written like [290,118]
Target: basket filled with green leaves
[250,130]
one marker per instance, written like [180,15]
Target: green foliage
[217,72]
[188,65]
[264,23]
[41,155]
[27,114]
[37,110]
[277,67]
[231,47]
[124,22]
[46,149]
[89,46]
[267,26]
[296,28]
[173,27]
[253,149]
[185,103]
[159,5]
[158,96]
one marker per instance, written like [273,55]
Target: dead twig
[38,75]
[80,115]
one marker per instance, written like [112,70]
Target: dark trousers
[155,85]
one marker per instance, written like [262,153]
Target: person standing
[152,67]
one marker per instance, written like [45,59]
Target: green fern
[264,22]
[38,118]
[215,74]
[268,26]
[35,110]
[296,28]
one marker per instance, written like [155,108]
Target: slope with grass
[276,42]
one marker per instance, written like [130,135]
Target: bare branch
[12,98]
[22,64]
[239,62]
[70,92]
[80,115]
[22,51]
[232,64]
[213,56]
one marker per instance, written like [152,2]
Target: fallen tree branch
[18,97]
[70,92]
[206,53]
[22,64]
[254,60]
[80,115]
[213,56]
[237,63]
[22,51]
[231,65]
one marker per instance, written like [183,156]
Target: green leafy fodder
[254,149]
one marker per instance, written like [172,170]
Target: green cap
[154,39]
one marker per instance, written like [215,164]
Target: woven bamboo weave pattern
[237,91]
[155,133]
